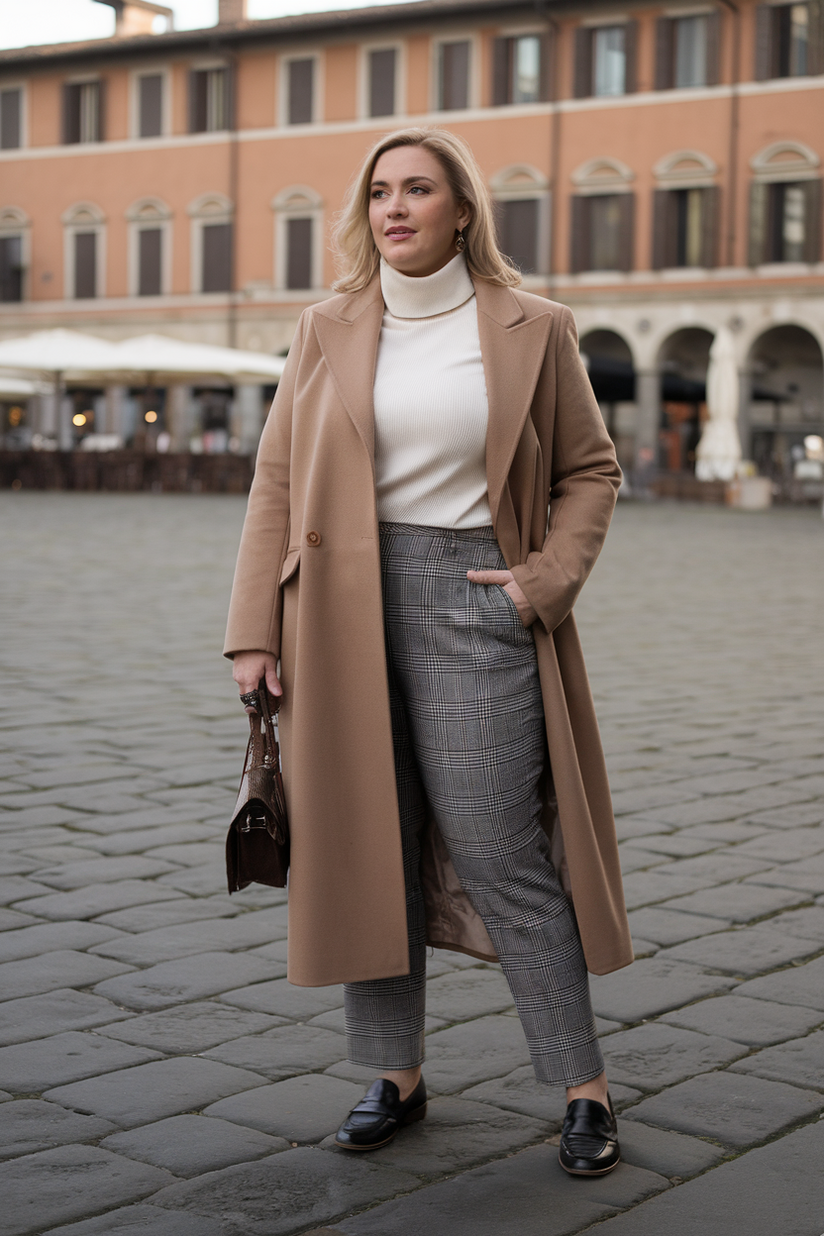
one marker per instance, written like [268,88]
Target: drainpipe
[554,141]
[732,177]
[234,179]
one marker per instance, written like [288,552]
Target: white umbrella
[57,352]
[16,388]
[154,355]
[719,450]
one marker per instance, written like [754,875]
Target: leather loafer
[589,1139]
[376,1119]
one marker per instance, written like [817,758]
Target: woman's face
[413,212]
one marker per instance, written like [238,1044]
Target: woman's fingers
[490,577]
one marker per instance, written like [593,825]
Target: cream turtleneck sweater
[430,401]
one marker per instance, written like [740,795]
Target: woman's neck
[426,295]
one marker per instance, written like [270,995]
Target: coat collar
[513,347]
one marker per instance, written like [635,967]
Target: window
[298,254]
[605,60]
[150,105]
[82,112]
[11,268]
[149,244]
[518,232]
[150,238]
[210,106]
[217,257]
[298,239]
[453,76]
[85,265]
[789,41]
[685,226]
[11,117]
[785,205]
[381,74]
[300,91]
[520,70]
[687,52]
[212,243]
[84,252]
[602,231]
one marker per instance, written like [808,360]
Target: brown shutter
[627,226]
[759,222]
[301,91]
[71,113]
[229,93]
[100,130]
[579,258]
[545,83]
[198,100]
[664,53]
[454,85]
[763,42]
[710,225]
[150,105]
[661,228]
[85,265]
[11,269]
[815,44]
[10,119]
[518,233]
[382,82]
[298,254]
[501,74]
[150,241]
[713,35]
[217,257]
[812,220]
[631,57]
[582,86]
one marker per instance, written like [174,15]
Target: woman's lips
[400,234]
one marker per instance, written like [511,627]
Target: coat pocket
[290,565]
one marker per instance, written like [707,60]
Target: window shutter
[518,232]
[627,228]
[664,53]
[150,241]
[10,119]
[710,225]
[11,269]
[298,254]
[454,91]
[85,265]
[631,57]
[713,28]
[579,234]
[229,92]
[763,42]
[198,101]
[71,113]
[100,112]
[815,44]
[150,105]
[545,83]
[217,257]
[661,228]
[759,211]
[301,91]
[382,82]
[812,220]
[501,76]
[582,86]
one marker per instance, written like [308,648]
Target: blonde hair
[356,251]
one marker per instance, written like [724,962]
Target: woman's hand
[506,580]
[249,667]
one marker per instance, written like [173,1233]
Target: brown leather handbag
[257,846]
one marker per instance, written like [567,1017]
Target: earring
[460,242]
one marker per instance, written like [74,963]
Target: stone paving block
[766,1190]
[161,914]
[791,817]
[286,1193]
[749,951]
[15,887]
[282,1053]
[786,846]
[29,1125]
[465,1055]
[190,1028]
[732,1108]
[465,994]
[46,937]
[758,1023]
[806,875]
[739,902]
[301,1109]
[671,926]
[807,923]
[730,806]
[528,1193]
[650,797]
[284,1000]
[96,899]
[102,871]
[37,1017]
[138,840]
[13,920]
[189,978]
[192,1145]
[654,1055]
[186,939]
[65,774]
[143,1221]
[63,968]
[190,854]
[675,845]
[802,985]
[70,1182]
[726,832]
[46,856]
[44,816]
[800,1062]
[652,986]
[201,881]
[635,859]
[639,826]
[16,864]
[27,1068]
[642,888]
[672,1155]
[150,1092]
[520,1092]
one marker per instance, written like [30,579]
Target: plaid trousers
[470,746]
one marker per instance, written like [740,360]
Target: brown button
[313,538]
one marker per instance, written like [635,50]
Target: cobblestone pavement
[160,1076]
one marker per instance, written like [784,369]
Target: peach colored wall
[117,104]
[418,73]
[256,96]
[340,86]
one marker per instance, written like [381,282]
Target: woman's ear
[464,215]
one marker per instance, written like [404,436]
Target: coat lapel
[513,349]
[349,341]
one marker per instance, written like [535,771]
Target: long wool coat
[308,589]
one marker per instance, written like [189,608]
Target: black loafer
[589,1139]
[376,1119]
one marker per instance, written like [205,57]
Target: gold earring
[460,242]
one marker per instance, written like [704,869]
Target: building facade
[657,166]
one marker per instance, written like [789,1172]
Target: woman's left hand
[506,580]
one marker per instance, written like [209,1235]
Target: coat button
[313,538]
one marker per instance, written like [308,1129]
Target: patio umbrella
[719,451]
[155,356]
[16,388]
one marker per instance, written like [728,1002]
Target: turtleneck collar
[424,297]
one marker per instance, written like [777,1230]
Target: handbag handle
[263,747]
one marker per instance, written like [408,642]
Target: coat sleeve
[584,485]
[256,602]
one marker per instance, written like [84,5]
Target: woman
[442,762]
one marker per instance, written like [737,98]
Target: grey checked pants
[468,728]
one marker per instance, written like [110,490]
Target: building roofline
[298,26]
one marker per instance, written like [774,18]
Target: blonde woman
[433,486]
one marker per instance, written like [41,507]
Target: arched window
[603,216]
[785,205]
[298,239]
[150,245]
[84,249]
[521,195]
[685,211]
[14,254]
[212,241]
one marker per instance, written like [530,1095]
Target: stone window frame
[297,202]
[206,208]
[145,214]
[84,217]
[518,182]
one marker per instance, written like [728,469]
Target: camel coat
[308,589]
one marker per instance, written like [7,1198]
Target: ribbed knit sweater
[431,407]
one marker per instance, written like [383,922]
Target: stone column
[65,436]
[115,411]
[178,416]
[745,379]
[647,423]
[247,417]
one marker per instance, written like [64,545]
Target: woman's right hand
[249,667]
